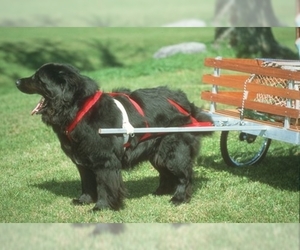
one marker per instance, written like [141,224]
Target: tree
[255,39]
[254,42]
[246,13]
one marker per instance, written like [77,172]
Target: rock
[184,48]
[187,23]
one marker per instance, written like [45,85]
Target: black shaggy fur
[100,158]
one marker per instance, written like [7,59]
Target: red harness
[141,112]
[194,122]
[90,102]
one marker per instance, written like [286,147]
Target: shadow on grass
[136,188]
[71,189]
[50,21]
[40,21]
[32,56]
[280,172]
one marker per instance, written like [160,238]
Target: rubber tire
[228,159]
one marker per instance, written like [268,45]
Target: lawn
[38,180]
[120,13]
[151,237]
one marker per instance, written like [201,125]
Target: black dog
[74,107]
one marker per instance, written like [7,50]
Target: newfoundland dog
[76,109]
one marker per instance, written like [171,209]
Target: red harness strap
[90,102]
[194,122]
[134,103]
[141,112]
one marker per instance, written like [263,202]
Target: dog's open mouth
[41,105]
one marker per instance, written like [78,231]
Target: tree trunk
[245,13]
[256,38]
[254,42]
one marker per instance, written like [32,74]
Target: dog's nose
[18,82]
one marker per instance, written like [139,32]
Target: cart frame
[243,93]
[239,92]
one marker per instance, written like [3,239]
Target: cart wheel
[244,149]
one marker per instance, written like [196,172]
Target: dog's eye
[36,78]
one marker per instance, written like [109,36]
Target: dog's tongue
[38,106]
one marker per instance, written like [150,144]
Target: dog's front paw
[101,205]
[82,200]
[178,201]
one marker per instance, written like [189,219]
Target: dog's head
[60,85]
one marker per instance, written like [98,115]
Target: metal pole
[217,73]
[158,130]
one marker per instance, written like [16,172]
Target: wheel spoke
[242,149]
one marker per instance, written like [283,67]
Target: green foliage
[38,180]
[120,13]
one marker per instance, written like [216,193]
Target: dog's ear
[68,87]
[65,81]
[75,86]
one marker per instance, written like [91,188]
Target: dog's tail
[201,116]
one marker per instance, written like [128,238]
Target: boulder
[184,48]
[187,23]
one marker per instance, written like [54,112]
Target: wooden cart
[262,101]
[259,93]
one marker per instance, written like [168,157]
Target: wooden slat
[272,109]
[230,81]
[248,61]
[251,66]
[237,81]
[233,99]
[286,93]
[226,98]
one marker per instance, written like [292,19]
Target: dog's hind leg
[167,180]
[183,191]
[182,169]
[175,156]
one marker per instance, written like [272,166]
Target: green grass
[152,237]
[38,180]
[120,13]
